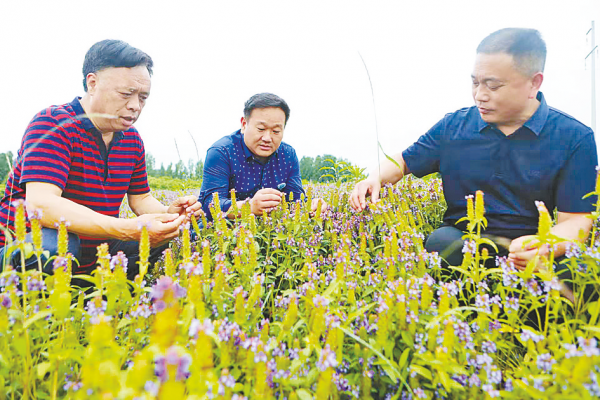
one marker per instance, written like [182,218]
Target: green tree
[6,162]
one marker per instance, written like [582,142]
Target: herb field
[335,305]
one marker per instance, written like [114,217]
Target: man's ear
[91,81]
[536,83]
[244,123]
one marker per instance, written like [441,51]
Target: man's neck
[511,127]
[87,108]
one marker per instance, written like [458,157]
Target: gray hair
[526,46]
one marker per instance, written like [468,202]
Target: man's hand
[315,203]
[525,248]
[361,190]
[188,205]
[265,199]
[161,227]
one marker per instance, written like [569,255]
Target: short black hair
[526,46]
[266,100]
[113,54]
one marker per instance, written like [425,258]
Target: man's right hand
[363,188]
[265,199]
[161,227]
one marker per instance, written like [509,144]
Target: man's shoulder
[227,141]
[57,112]
[287,148]
[565,122]
[465,114]
[56,118]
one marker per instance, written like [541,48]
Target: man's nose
[480,93]
[134,103]
[266,137]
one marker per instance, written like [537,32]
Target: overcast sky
[210,57]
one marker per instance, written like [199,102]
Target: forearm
[82,220]
[573,229]
[146,204]
[388,172]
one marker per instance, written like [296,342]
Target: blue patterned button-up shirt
[230,165]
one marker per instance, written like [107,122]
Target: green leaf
[304,394]
[36,317]
[390,158]
[395,374]
[42,369]
[424,372]
[595,329]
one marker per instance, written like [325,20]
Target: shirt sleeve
[215,179]
[578,178]
[46,155]
[423,157]
[139,177]
[294,181]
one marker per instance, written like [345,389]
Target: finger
[269,197]
[173,224]
[270,191]
[354,200]
[193,207]
[375,194]
[268,204]
[166,217]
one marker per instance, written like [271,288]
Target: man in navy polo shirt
[254,161]
[78,160]
[512,146]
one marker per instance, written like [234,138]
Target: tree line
[325,168]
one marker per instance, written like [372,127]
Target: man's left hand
[314,204]
[188,205]
[525,248]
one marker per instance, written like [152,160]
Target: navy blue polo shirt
[551,158]
[231,165]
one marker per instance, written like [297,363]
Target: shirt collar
[535,123]
[248,154]
[88,125]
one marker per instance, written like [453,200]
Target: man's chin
[263,153]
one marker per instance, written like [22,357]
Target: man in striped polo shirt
[78,160]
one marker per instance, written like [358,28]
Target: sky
[210,57]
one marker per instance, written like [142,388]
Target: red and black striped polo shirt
[63,147]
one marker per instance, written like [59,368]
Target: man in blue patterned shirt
[254,161]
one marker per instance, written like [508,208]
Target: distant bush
[175,184]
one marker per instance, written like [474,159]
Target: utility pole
[593,54]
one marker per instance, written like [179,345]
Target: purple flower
[545,362]
[490,390]
[195,327]
[60,262]
[172,358]
[589,346]
[327,359]
[5,301]
[260,357]
[34,285]
[94,309]
[420,393]
[474,380]
[488,347]
[529,335]
[165,284]
[512,303]
[151,387]
[119,260]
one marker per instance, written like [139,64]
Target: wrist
[125,229]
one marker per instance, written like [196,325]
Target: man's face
[263,131]
[120,93]
[501,92]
